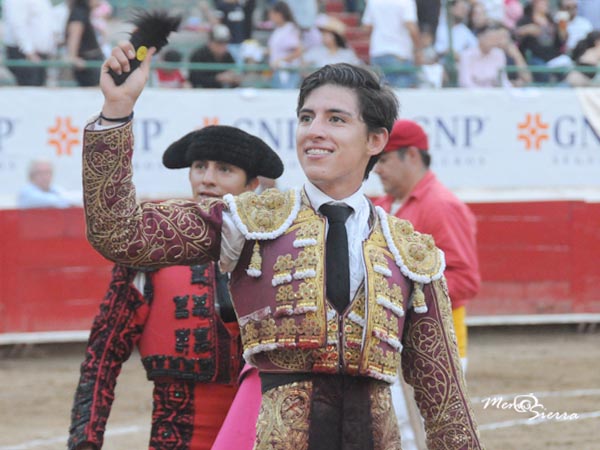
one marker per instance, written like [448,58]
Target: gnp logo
[63,135]
[533,131]
[565,132]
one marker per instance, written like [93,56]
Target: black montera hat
[227,144]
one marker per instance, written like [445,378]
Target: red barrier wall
[50,277]
[536,257]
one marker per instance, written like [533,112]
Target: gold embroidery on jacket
[283,420]
[265,212]
[114,219]
[429,358]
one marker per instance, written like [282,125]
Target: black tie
[336,255]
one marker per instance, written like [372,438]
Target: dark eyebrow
[329,111]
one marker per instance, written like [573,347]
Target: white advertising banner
[485,140]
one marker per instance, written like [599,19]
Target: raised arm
[148,235]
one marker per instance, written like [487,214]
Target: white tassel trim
[398,310]
[356,319]
[256,316]
[302,274]
[331,313]
[260,348]
[254,273]
[387,378]
[304,242]
[386,338]
[262,235]
[382,270]
[420,309]
[385,226]
[280,279]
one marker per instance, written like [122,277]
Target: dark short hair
[378,105]
[425,155]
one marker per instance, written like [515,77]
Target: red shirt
[433,209]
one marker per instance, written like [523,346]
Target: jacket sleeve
[146,235]
[431,365]
[115,332]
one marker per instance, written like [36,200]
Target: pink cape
[239,428]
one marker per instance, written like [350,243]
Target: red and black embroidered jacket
[178,327]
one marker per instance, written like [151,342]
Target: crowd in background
[266,43]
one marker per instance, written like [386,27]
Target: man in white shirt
[577,26]
[29,35]
[395,39]
[40,192]
[328,290]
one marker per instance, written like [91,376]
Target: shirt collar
[422,185]
[357,201]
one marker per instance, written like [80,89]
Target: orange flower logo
[63,136]
[533,131]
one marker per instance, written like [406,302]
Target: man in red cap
[414,193]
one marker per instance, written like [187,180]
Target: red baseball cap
[406,133]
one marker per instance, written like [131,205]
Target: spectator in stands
[29,35]
[40,192]
[171,77]
[101,14]
[395,41]
[236,15]
[494,9]
[82,45]
[478,18]
[333,48]
[513,11]
[484,65]
[514,58]
[586,54]
[285,47]
[462,37]
[578,27]
[428,14]
[305,14]
[215,51]
[540,39]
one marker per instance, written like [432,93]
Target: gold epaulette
[264,216]
[415,253]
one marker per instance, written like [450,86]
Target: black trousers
[26,76]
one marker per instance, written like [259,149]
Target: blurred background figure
[478,17]
[484,65]
[236,15]
[586,54]
[215,51]
[170,77]
[333,48]
[395,41]
[540,39]
[285,47]
[577,26]
[82,44]
[101,14]
[29,35]
[40,191]
[514,58]
[462,37]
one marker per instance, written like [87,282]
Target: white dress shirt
[357,227]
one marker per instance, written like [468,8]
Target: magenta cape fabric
[239,428]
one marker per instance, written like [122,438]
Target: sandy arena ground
[560,367]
